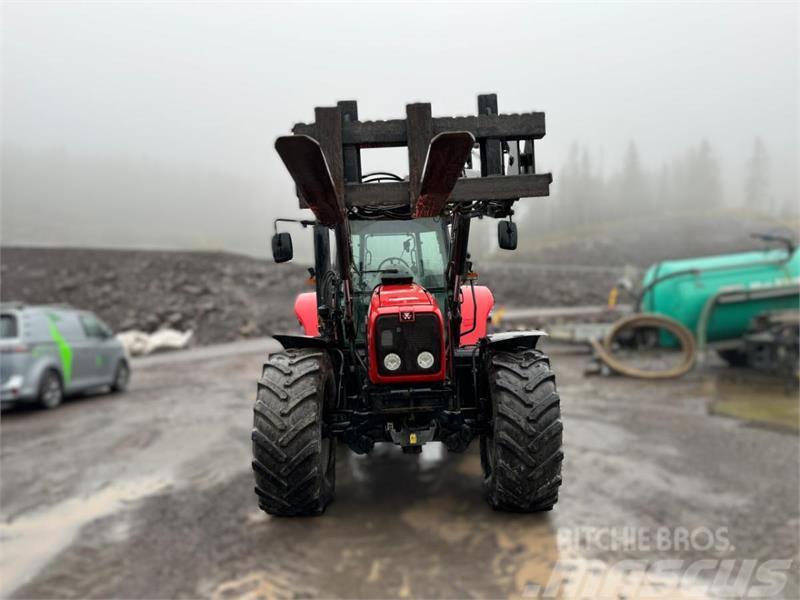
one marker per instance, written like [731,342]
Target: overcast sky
[205,88]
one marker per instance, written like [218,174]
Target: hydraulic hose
[639,320]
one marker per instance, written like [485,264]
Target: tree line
[583,194]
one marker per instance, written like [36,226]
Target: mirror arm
[304,222]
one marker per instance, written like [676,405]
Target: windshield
[416,247]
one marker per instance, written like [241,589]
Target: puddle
[470,466]
[259,585]
[408,527]
[31,540]
[432,455]
[529,559]
[756,399]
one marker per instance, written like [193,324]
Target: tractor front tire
[521,454]
[293,461]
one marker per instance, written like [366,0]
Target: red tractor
[396,346]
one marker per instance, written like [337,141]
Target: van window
[66,322]
[94,328]
[8,326]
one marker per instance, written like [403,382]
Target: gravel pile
[222,297]
[530,286]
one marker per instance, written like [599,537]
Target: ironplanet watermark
[716,575]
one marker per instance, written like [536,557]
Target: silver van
[47,352]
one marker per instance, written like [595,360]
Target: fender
[305,308]
[512,340]
[472,331]
[47,361]
[300,341]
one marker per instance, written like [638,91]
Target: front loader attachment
[444,164]
[437,148]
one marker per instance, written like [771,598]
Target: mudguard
[300,341]
[474,316]
[305,308]
[512,340]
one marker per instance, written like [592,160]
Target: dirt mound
[531,285]
[222,297]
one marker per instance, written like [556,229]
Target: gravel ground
[150,495]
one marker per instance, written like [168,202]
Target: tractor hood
[405,335]
[410,295]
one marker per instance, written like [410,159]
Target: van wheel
[51,392]
[122,377]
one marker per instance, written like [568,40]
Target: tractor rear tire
[521,454]
[293,461]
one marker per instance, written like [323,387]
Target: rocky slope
[222,297]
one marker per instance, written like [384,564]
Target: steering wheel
[394,259]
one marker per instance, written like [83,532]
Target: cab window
[415,247]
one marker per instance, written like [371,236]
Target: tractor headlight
[425,360]
[391,361]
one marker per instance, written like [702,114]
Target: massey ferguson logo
[406,316]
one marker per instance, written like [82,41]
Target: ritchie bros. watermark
[644,539]
[657,577]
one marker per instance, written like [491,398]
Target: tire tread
[526,433]
[287,434]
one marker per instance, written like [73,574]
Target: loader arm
[455,271]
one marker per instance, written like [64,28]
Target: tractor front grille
[407,339]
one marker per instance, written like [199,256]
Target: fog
[151,125]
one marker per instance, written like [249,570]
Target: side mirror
[507,235]
[282,250]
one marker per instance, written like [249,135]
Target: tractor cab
[387,253]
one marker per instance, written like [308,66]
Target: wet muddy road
[149,495]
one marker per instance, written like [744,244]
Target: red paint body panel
[305,307]
[485,302]
[390,300]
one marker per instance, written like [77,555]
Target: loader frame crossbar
[342,137]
